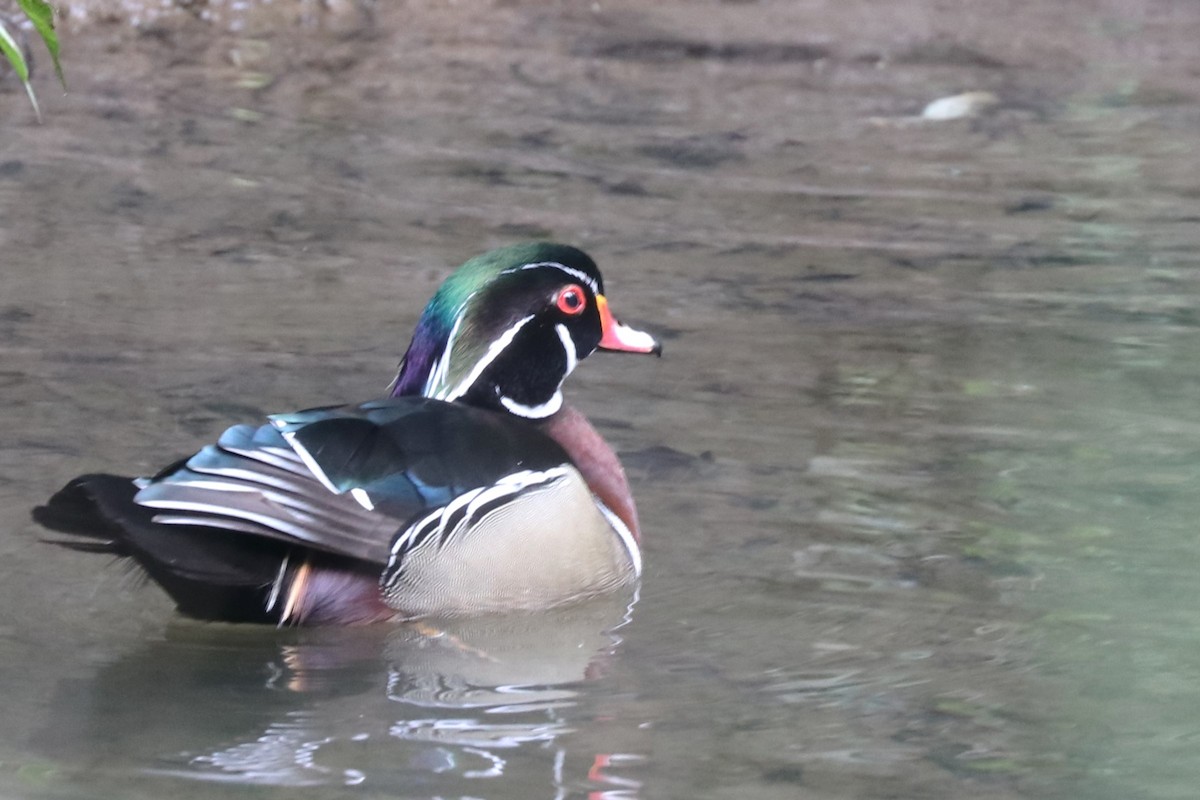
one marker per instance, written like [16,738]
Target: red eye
[571,300]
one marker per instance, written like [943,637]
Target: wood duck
[471,488]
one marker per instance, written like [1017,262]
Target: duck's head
[509,326]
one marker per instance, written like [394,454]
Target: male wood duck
[472,488]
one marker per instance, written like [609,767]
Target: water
[915,470]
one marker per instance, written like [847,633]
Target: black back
[217,529]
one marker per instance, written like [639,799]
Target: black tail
[210,573]
[90,506]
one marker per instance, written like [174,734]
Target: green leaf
[42,16]
[12,51]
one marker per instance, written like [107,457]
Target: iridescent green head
[507,328]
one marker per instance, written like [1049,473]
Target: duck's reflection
[435,702]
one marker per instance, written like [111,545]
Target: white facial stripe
[494,349]
[437,375]
[568,347]
[578,274]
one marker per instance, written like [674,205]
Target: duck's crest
[425,366]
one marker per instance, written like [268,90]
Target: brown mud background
[915,470]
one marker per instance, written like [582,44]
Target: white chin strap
[556,400]
[534,412]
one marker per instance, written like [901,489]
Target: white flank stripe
[511,484]
[624,534]
[402,540]
[488,495]
[463,500]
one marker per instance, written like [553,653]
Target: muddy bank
[915,471]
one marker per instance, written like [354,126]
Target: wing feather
[345,480]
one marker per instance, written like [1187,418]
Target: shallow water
[915,471]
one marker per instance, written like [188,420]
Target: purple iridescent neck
[428,340]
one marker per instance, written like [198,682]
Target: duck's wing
[345,480]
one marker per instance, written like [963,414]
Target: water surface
[915,471]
